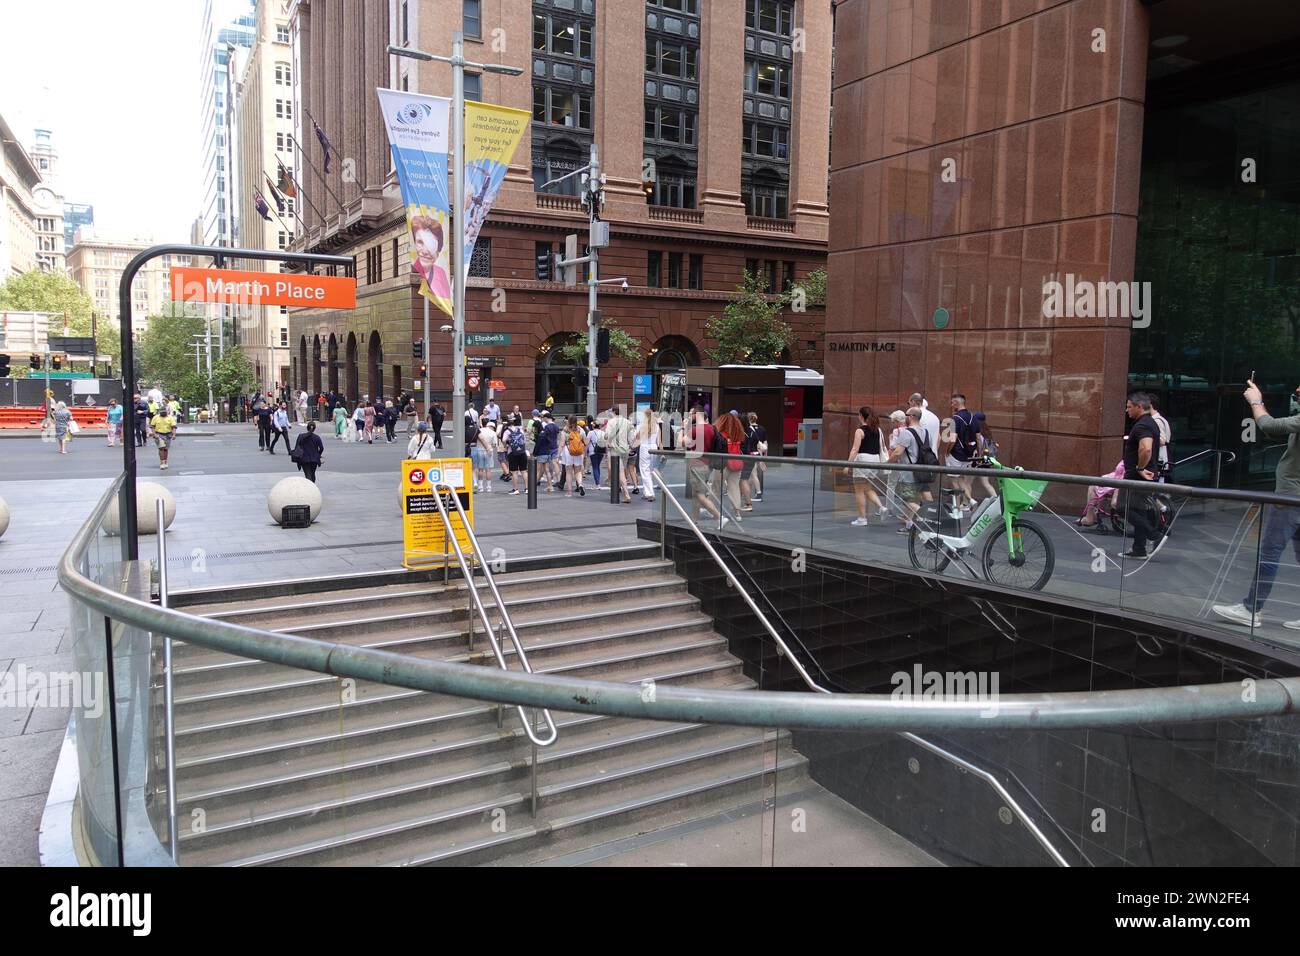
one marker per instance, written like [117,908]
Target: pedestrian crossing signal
[4,366]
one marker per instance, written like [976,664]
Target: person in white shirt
[485,455]
[493,412]
[301,407]
[647,439]
[420,447]
[929,421]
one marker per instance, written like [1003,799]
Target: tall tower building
[227,25]
[263,125]
[47,201]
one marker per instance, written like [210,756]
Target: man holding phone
[1281,524]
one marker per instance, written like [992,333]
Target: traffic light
[34,361]
[4,366]
[56,361]
[602,346]
[544,273]
[423,370]
[417,349]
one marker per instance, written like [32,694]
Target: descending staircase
[283,766]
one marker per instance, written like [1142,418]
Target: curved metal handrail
[848,712]
[1232,456]
[482,611]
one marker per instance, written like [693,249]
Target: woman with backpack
[516,441]
[573,448]
[730,439]
[647,439]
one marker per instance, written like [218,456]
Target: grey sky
[117,84]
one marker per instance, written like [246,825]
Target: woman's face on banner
[426,247]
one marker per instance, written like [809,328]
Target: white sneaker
[1293,625]
[1238,614]
[859,522]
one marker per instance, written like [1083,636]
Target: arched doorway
[353,376]
[560,376]
[375,359]
[333,354]
[315,366]
[667,363]
[300,380]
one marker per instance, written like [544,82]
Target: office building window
[473,86]
[678,6]
[473,18]
[564,83]
[770,272]
[770,16]
[284,238]
[787,276]
[751,267]
[284,337]
[696,278]
[281,33]
[284,109]
[674,270]
[654,266]
[397,264]
[767,108]
[672,97]
[282,74]
[480,260]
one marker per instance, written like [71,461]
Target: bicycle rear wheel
[928,555]
[1032,566]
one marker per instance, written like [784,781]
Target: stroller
[1101,511]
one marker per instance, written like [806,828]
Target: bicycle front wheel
[927,555]
[1030,567]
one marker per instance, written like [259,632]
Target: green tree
[620,341]
[37,291]
[751,330]
[233,374]
[813,292]
[164,356]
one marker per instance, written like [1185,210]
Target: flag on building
[275,194]
[285,182]
[418,134]
[492,134]
[260,205]
[324,143]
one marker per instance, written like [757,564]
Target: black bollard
[615,472]
[532,483]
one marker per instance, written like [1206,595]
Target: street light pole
[458,63]
[593,281]
[458,241]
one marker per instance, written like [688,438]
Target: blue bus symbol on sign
[643,384]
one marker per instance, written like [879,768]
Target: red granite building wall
[1036,118]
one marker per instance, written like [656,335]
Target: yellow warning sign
[424,543]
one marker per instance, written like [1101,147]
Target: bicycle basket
[1021,492]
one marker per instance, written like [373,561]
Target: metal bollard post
[532,483]
[615,476]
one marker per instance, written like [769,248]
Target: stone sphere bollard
[4,517]
[294,490]
[147,494]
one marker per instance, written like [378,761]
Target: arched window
[353,374]
[375,359]
[300,380]
[667,362]
[559,376]
[334,363]
[315,366]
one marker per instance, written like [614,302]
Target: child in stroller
[1101,509]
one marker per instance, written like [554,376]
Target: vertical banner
[492,134]
[423,530]
[419,136]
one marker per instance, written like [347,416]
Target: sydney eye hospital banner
[419,136]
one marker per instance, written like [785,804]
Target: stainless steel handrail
[169,719]
[784,649]
[767,625]
[1232,456]
[1273,696]
[482,611]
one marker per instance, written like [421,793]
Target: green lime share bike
[1015,551]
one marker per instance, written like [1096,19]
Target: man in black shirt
[1140,447]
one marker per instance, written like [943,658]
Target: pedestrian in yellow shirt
[164,429]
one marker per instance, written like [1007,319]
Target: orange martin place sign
[236,287]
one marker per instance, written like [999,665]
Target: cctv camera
[447,328]
[624,285]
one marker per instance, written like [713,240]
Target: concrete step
[427,827]
[302,707]
[526,589]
